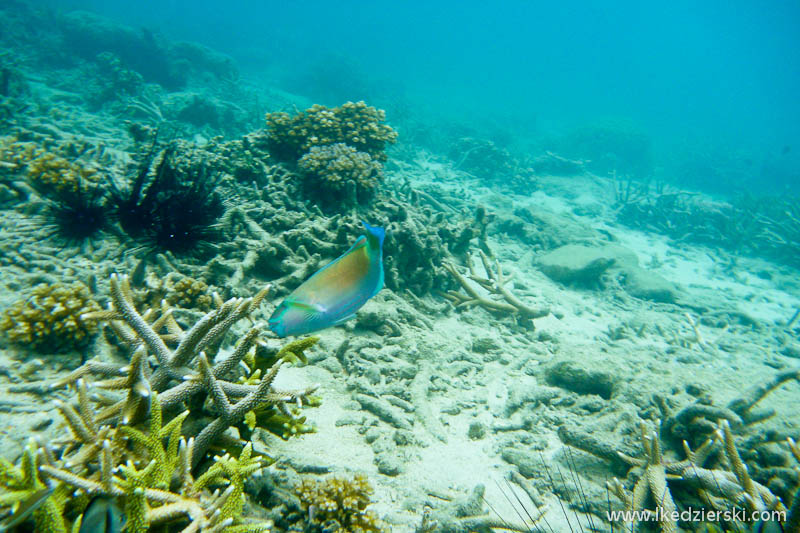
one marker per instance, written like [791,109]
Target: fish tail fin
[375,233]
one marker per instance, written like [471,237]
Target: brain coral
[354,124]
[50,319]
[340,172]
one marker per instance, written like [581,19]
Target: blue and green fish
[335,292]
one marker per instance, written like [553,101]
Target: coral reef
[232,400]
[50,171]
[338,172]
[109,462]
[141,434]
[338,504]
[609,148]
[763,227]
[354,124]
[338,151]
[52,319]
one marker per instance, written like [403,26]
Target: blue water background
[712,85]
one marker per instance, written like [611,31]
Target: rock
[529,465]
[791,350]
[383,410]
[484,345]
[577,377]
[544,230]
[647,285]
[372,435]
[476,431]
[582,266]
[389,464]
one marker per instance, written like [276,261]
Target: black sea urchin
[78,214]
[174,210]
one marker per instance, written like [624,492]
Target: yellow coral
[337,168]
[46,171]
[339,499]
[51,172]
[15,154]
[191,293]
[50,319]
[354,123]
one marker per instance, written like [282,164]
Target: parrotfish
[335,292]
[103,515]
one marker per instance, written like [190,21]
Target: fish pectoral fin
[308,308]
[343,320]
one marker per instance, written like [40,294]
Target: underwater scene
[440,267]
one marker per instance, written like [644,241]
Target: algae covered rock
[581,378]
[648,285]
[578,265]
[585,266]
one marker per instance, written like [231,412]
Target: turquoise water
[712,80]
[417,267]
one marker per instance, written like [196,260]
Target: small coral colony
[148,443]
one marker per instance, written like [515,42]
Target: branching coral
[494,281]
[339,171]
[177,386]
[133,447]
[766,227]
[338,504]
[51,319]
[492,164]
[354,124]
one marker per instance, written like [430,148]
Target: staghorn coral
[162,492]
[51,318]
[177,385]
[338,504]
[128,432]
[339,172]
[354,124]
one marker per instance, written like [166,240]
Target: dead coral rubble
[712,473]
[497,298]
